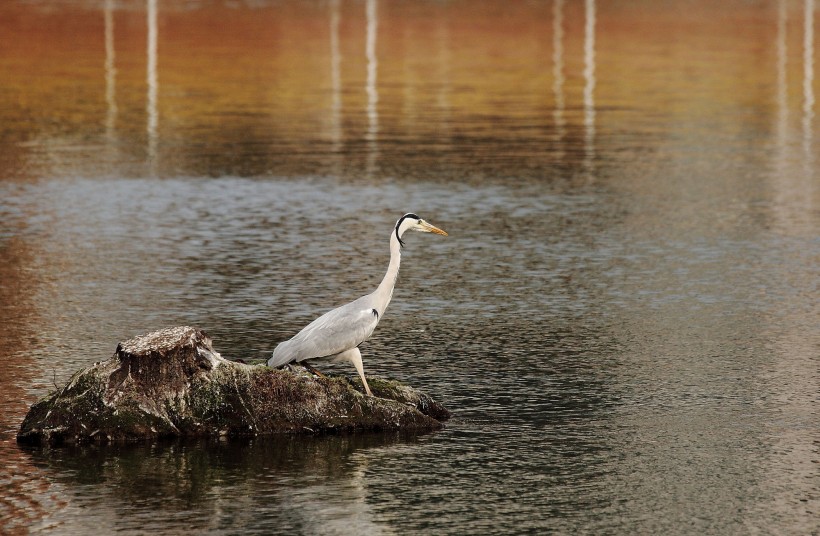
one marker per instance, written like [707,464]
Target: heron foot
[312,370]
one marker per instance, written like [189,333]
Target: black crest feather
[398,224]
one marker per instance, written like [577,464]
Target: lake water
[624,320]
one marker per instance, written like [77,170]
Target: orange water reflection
[390,88]
[27,494]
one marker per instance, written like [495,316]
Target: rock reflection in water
[300,484]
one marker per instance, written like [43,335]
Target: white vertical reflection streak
[151,76]
[808,81]
[589,87]
[558,74]
[372,92]
[335,78]
[110,72]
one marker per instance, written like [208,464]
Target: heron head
[411,222]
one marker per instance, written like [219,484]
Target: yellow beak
[430,228]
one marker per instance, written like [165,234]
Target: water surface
[624,319]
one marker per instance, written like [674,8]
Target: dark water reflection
[624,319]
[219,485]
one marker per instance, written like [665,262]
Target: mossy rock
[172,383]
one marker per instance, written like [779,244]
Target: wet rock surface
[172,383]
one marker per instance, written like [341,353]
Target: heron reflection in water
[337,334]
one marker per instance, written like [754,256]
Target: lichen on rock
[172,383]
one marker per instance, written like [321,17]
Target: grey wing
[334,332]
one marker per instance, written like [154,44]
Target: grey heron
[337,334]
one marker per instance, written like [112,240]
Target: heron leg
[355,356]
[311,369]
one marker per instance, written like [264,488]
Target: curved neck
[385,290]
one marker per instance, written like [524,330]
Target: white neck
[385,290]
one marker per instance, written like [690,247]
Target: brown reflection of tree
[26,494]
[16,333]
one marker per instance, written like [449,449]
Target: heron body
[337,334]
